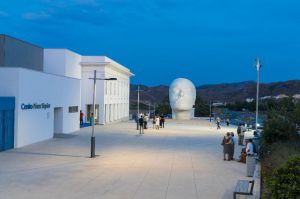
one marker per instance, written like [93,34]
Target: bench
[243,187]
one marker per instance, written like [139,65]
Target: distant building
[249,100]
[281,96]
[216,104]
[296,96]
[266,98]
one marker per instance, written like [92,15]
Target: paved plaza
[182,161]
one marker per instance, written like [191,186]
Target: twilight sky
[206,41]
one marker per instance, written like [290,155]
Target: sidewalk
[184,160]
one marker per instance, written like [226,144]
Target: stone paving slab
[182,161]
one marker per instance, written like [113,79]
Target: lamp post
[149,108]
[210,111]
[93,139]
[138,102]
[258,66]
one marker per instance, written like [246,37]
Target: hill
[227,92]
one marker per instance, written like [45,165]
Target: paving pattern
[182,161]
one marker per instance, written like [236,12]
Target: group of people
[218,122]
[91,118]
[251,145]
[142,123]
[157,121]
[228,143]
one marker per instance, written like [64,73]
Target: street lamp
[258,66]
[93,140]
[210,111]
[149,108]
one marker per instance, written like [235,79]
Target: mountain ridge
[223,92]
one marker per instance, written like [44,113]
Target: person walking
[157,123]
[153,122]
[81,117]
[227,121]
[141,123]
[218,120]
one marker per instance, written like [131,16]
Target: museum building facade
[43,90]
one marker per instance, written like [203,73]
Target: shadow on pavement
[46,154]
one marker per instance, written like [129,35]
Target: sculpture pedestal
[183,115]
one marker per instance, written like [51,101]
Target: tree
[278,128]
[163,108]
[201,108]
[296,115]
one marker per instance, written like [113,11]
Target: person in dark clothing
[232,146]
[81,117]
[141,123]
[227,121]
[226,142]
[162,119]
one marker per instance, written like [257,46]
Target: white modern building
[42,104]
[43,90]
[112,97]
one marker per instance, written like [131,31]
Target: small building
[296,96]
[249,100]
[280,96]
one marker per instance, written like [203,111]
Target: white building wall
[62,62]
[36,87]
[87,87]
[114,95]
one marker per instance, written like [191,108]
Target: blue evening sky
[206,41]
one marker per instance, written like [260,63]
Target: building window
[73,109]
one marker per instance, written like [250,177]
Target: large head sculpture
[182,95]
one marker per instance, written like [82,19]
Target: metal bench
[243,187]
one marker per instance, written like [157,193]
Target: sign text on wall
[35,106]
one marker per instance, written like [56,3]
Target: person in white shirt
[249,148]
[157,123]
[250,158]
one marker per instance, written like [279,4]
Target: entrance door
[58,120]
[7,123]
[89,110]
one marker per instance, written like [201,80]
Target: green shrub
[279,128]
[285,181]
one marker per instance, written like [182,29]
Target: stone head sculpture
[182,95]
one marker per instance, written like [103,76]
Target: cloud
[31,16]
[87,2]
